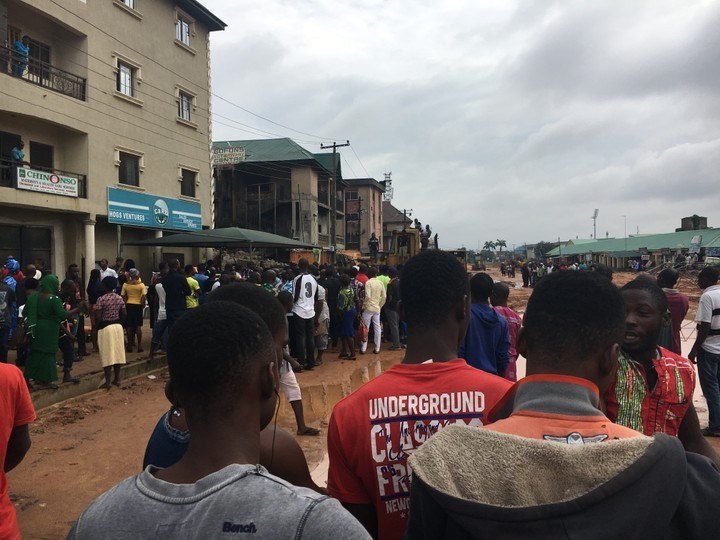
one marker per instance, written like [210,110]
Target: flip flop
[707,433]
[309,431]
[104,386]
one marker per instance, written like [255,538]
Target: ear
[268,380]
[521,345]
[608,362]
[463,309]
[170,395]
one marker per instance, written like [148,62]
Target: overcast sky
[502,119]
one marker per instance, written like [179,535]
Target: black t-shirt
[176,289]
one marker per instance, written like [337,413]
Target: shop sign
[127,207]
[228,156]
[47,182]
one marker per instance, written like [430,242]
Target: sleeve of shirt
[343,482]
[24,410]
[704,311]
[328,519]
[124,290]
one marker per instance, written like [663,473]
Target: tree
[501,244]
[542,248]
[489,245]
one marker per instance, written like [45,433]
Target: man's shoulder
[680,361]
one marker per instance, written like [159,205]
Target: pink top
[514,323]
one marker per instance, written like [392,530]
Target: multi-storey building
[113,107]
[363,213]
[277,186]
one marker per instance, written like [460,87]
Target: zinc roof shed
[635,243]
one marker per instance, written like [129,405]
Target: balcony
[9,177]
[324,239]
[44,74]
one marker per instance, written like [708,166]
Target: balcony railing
[324,238]
[42,74]
[9,174]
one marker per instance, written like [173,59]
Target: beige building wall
[87,40]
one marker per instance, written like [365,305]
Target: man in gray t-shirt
[223,372]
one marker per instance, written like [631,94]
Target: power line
[361,163]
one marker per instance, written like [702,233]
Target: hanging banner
[46,182]
[127,207]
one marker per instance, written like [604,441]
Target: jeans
[369,317]
[393,320]
[302,339]
[4,340]
[159,334]
[709,373]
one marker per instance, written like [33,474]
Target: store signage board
[228,156]
[47,182]
[127,207]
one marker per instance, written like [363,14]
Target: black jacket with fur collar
[479,484]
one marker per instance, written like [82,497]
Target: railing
[8,176]
[42,74]
[324,239]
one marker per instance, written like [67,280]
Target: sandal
[707,433]
[309,431]
[344,355]
[104,386]
[353,357]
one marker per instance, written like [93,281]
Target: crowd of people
[604,417]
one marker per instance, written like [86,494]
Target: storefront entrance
[27,245]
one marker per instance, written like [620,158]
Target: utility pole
[333,191]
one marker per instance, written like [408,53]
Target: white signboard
[46,182]
[228,156]
[695,243]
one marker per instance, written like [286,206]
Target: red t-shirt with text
[375,429]
[16,409]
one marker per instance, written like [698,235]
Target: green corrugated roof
[269,150]
[651,242]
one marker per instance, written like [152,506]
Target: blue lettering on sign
[231,527]
[127,207]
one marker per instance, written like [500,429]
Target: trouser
[159,333]
[302,339]
[4,340]
[172,316]
[68,352]
[393,320]
[369,317]
[709,373]
[334,326]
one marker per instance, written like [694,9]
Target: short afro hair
[711,273]
[649,285]
[433,283]
[255,298]
[213,352]
[481,286]
[572,315]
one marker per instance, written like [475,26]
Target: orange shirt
[556,408]
[16,409]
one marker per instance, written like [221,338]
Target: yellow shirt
[133,292]
[192,300]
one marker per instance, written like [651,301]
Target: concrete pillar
[89,246]
[157,251]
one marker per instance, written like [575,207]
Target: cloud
[497,119]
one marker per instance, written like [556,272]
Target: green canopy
[228,237]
